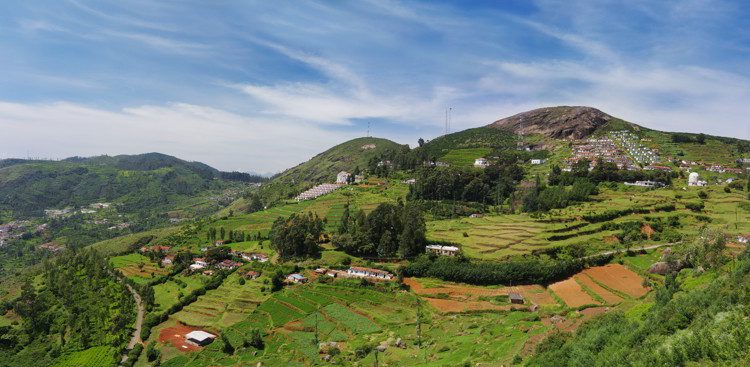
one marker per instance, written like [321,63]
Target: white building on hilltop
[342,177]
[442,250]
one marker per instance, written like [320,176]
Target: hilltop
[324,166]
[563,122]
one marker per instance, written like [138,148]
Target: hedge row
[516,271]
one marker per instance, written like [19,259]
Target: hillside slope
[324,166]
[150,181]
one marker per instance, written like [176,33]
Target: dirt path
[136,339]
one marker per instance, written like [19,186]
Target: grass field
[92,357]
[137,267]
[464,157]
[168,293]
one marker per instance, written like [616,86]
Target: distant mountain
[324,166]
[143,182]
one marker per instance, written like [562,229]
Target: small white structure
[694,180]
[360,272]
[743,238]
[200,337]
[481,163]
[537,161]
[649,184]
[443,250]
[296,278]
[342,177]
[410,181]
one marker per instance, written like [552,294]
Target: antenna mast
[368,129]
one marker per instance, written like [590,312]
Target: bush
[703,195]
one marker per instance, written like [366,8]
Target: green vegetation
[75,305]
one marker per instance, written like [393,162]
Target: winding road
[136,339]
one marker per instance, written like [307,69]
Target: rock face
[563,122]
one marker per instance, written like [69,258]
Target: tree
[254,203]
[296,236]
[221,233]
[227,347]
[412,239]
[707,250]
[256,339]
[151,352]
[277,281]
[387,246]
[420,142]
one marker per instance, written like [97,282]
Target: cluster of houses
[352,272]
[631,143]
[602,148]
[9,231]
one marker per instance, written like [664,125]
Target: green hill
[138,183]
[324,166]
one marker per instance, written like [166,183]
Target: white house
[200,337]
[481,163]
[443,250]
[296,278]
[360,272]
[694,180]
[743,238]
[342,177]
[537,161]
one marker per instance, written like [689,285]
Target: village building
[360,272]
[252,274]
[515,298]
[342,177]
[537,161]
[296,278]
[410,181]
[476,215]
[200,337]
[480,163]
[208,273]
[443,250]
[653,167]
[254,257]
[228,264]
[743,238]
[649,184]
[321,271]
[198,264]
[359,178]
[694,180]
[167,260]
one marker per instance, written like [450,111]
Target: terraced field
[224,306]
[491,236]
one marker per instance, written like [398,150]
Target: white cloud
[223,139]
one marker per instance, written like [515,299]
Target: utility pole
[368,129]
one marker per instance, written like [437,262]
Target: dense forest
[76,304]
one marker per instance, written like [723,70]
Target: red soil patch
[571,293]
[647,230]
[619,278]
[175,336]
[453,306]
[607,296]
[610,240]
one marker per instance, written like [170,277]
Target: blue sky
[265,85]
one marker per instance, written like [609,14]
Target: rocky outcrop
[563,122]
